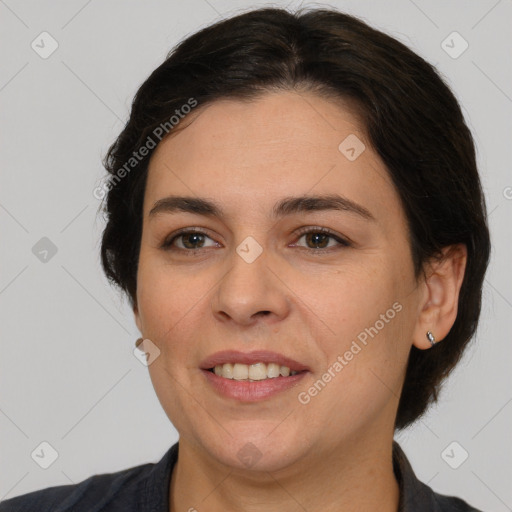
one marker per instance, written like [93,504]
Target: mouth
[252,377]
[252,366]
[254,372]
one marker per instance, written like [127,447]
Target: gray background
[67,369]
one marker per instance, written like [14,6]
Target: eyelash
[167,245]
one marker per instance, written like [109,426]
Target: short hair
[411,118]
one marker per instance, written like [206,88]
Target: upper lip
[256,356]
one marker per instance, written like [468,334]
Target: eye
[191,239]
[320,237]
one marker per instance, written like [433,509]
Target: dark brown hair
[412,120]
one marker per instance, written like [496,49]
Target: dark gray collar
[415,496]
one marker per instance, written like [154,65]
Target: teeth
[253,372]
[257,371]
[240,372]
[285,371]
[273,370]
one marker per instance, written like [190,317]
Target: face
[331,288]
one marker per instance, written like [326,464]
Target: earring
[431,338]
[138,342]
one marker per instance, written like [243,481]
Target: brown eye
[190,240]
[319,238]
[187,240]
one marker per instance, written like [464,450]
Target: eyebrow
[286,206]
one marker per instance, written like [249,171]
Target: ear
[439,305]
[137,316]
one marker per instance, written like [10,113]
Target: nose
[250,291]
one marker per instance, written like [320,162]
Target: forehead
[280,144]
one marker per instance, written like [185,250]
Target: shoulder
[419,497]
[119,491]
[452,504]
[416,496]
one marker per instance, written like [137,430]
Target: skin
[333,453]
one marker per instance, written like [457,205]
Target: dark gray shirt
[145,488]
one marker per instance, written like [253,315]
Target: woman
[295,214]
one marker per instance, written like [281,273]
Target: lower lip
[246,391]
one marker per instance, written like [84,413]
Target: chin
[253,450]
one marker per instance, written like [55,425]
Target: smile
[253,372]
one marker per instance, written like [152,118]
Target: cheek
[348,301]
[364,355]
[360,317]
[165,298]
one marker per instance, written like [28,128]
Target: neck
[352,477]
